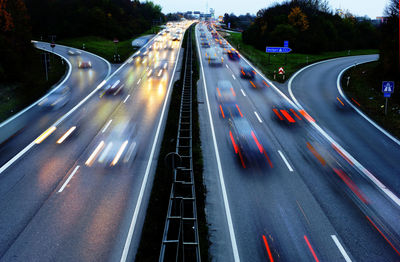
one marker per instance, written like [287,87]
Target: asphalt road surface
[289,192]
[77,193]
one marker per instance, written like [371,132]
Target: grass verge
[106,47]
[365,87]
[18,95]
[293,62]
[151,239]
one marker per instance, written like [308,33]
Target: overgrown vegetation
[149,249]
[310,27]
[294,61]
[365,86]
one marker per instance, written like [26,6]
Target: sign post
[387,90]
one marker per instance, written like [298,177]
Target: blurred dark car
[233,54]
[56,100]
[205,44]
[245,142]
[113,89]
[247,72]
[286,114]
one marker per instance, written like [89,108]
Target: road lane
[274,202]
[79,84]
[89,219]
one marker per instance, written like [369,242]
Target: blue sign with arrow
[278,49]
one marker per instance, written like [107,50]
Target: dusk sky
[371,8]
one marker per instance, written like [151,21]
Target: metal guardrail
[181,239]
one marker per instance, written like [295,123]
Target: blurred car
[71,52]
[205,44]
[175,37]
[286,114]
[141,57]
[226,98]
[213,58]
[247,72]
[160,70]
[56,100]
[233,54]
[114,89]
[121,145]
[84,64]
[246,145]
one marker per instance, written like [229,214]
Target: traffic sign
[278,49]
[281,71]
[388,87]
[286,43]
[387,94]
[116,40]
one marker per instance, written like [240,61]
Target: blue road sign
[387,94]
[286,43]
[278,49]
[387,87]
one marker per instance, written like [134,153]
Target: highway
[79,193]
[287,190]
[40,115]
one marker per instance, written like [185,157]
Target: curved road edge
[66,115]
[372,122]
[6,127]
[393,197]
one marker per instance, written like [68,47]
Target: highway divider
[152,233]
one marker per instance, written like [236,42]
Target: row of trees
[22,20]
[240,22]
[311,27]
[106,18]
[389,48]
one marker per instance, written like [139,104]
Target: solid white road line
[17,156]
[233,77]
[258,117]
[341,249]
[69,178]
[244,94]
[148,167]
[138,82]
[285,160]
[127,97]
[106,126]
[359,111]
[221,176]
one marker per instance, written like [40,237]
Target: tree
[389,51]
[6,22]
[298,19]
